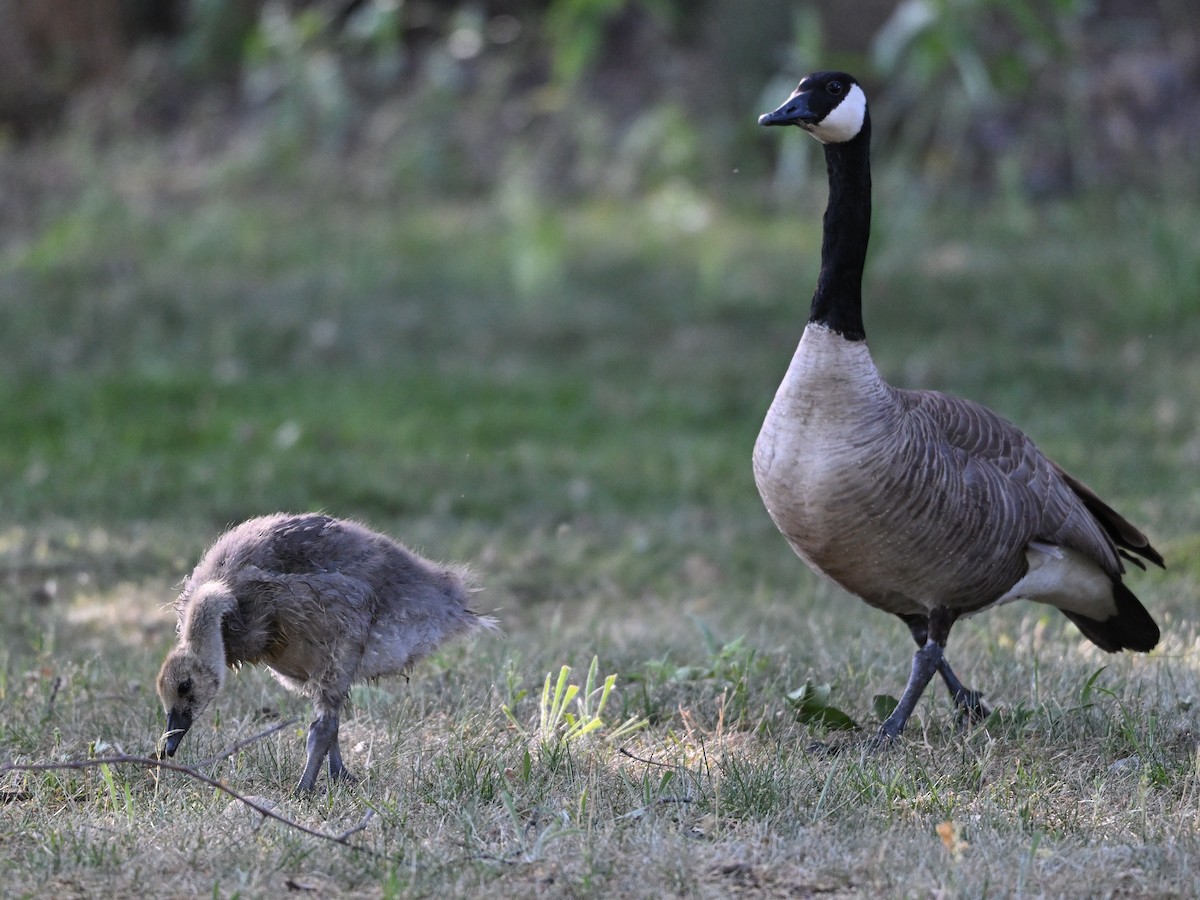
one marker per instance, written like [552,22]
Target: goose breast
[907,499]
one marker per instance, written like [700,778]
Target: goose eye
[185,687]
[835,88]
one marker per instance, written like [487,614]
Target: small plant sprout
[558,725]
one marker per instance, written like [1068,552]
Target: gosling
[323,603]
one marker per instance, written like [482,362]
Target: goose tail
[1132,628]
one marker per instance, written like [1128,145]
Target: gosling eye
[185,687]
[834,88]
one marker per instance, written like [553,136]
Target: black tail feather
[1132,628]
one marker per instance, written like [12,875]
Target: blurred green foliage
[253,347]
[404,247]
[214,40]
[571,96]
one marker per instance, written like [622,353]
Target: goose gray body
[323,603]
[911,499]
[925,505]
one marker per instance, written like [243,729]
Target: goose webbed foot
[880,742]
[971,708]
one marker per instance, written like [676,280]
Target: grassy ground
[567,398]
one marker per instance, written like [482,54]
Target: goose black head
[831,106]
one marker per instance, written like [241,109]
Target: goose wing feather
[1027,496]
[1131,542]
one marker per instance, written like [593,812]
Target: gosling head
[194,671]
[831,106]
[186,685]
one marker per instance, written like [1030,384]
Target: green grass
[567,398]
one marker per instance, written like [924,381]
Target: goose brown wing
[1030,497]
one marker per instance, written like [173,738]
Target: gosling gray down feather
[323,603]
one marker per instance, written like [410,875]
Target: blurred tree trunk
[48,47]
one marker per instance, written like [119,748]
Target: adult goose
[924,505]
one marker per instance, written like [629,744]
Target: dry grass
[1072,789]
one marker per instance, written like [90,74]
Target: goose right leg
[969,702]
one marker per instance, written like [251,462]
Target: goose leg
[971,707]
[931,633]
[969,702]
[322,738]
[925,663]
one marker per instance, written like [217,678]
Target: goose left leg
[969,702]
[926,661]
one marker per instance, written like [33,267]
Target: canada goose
[323,603]
[922,504]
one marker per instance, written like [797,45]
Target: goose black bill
[795,111]
[178,724]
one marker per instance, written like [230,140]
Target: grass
[567,398]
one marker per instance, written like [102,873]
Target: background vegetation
[516,282]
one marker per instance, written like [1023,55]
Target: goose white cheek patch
[844,121]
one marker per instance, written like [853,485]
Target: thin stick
[648,762]
[357,828]
[674,767]
[234,748]
[149,763]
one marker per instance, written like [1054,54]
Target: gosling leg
[322,738]
[337,771]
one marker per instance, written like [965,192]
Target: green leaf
[883,704]
[811,703]
[1085,693]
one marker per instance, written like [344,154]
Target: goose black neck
[837,301]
